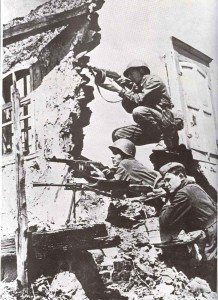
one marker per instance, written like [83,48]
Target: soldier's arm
[151,87]
[174,215]
[128,105]
[121,173]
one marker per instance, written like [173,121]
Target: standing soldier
[150,105]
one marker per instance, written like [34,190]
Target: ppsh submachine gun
[101,75]
[82,168]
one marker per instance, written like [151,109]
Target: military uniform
[151,110]
[191,209]
[134,172]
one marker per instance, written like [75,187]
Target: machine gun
[101,75]
[74,186]
[109,188]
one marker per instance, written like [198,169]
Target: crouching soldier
[190,209]
[126,167]
[150,106]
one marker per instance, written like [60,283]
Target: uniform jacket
[191,209]
[153,92]
[133,171]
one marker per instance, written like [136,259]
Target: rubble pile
[8,291]
[128,212]
[140,273]
[64,286]
[136,268]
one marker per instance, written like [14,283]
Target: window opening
[23,85]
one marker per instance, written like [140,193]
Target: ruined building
[48,50]
[41,49]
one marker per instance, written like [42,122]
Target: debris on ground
[134,270]
[64,286]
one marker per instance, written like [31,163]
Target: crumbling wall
[59,114]
[53,7]
[27,50]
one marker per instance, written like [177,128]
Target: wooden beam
[46,249]
[179,45]
[8,248]
[21,237]
[59,241]
[66,234]
[23,30]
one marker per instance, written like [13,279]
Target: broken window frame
[26,114]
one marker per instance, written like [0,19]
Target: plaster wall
[47,206]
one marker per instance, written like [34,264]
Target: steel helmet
[124,145]
[137,63]
[169,166]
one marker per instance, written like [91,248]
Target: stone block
[123,275]
[105,276]
[122,270]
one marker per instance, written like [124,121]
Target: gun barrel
[72,186]
[38,184]
[140,188]
[109,73]
[101,75]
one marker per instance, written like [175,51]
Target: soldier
[190,209]
[150,105]
[125,166]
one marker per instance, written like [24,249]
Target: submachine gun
[101,75]
[82,168]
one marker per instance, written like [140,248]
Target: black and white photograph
[109,149]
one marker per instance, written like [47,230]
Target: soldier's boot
[160,146]
[167,143]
